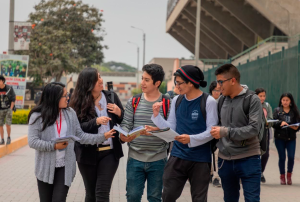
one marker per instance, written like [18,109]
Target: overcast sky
[119,16]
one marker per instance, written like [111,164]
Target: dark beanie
[193,74]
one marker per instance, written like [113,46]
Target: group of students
[13,72]
[201,121]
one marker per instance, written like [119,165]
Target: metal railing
[292,41]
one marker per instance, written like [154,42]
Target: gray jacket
[239,135]
[45,155]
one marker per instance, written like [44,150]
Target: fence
[277,73]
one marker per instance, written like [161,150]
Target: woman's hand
[283,123]
[109,134]
[61,145]
[126,138]
[103,120]
[156,107]
[114,109]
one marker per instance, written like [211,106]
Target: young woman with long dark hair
[55,164]
[261,93]
[285,138]
[96,113]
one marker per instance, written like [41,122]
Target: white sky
[119,15]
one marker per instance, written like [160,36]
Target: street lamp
[144,41]
[137,67]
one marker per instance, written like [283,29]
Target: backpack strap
[178,101]
[246,102]
[203,105]
[166,105]
[135,102]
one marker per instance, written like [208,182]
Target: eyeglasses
[220,82]
[66,96]
[178,84]
[218,91]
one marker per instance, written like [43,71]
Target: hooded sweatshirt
[239,134]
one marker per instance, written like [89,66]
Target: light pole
[144,41]
[11,27]
[137,67]
[197,34]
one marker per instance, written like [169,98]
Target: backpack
[263,132]
[203,100]
[165,99]
[166,105]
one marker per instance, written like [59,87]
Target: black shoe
[8,141]
[2,142]
[211,177]
[216,183]
[262,179]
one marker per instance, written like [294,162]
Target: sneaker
[2,142]
[216,183]
[8,141]
[262,179]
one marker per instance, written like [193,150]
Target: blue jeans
[137,173]
[290,146]
[248,170]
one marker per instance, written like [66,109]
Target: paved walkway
[18,183]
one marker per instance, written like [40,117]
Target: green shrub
[20,116]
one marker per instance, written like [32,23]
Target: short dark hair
[212,86]
[260,90]
[229,69]
[155,71]
[197,86]
[2,78]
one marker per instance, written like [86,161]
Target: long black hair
[82,100]
[293,105]
[48,105]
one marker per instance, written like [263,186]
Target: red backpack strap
[166,105]
[135,102]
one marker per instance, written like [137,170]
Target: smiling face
[147,83]
[227,83]
[63,102]
[99,85]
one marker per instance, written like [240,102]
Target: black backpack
[263,133]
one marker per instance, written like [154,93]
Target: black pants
[178,171]
[265,157]
[98,178]
[56,192]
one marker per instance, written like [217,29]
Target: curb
[13,146]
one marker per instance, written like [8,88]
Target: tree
[63,38]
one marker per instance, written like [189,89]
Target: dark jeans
[178,171]
[137,174]
[248,170]
[290,147]
[98,178]
[56,192]
[265,157]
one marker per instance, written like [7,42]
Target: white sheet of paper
[296,124]
[66,139]
[167,136]
[272,121]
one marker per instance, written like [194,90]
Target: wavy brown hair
[82,100]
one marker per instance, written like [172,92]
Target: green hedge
[20,116]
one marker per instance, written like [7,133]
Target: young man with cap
[239,146]
[191,154]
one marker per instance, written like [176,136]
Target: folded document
[66,139]
[136,131]
[167,134]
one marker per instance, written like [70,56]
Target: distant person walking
[285,137]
